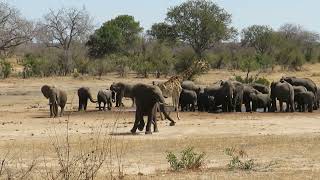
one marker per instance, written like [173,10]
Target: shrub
[251,79]
[239,159]
[5,69]
[188,159]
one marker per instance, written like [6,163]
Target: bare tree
[61,28]
[14,29]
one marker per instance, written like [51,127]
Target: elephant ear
[46,91]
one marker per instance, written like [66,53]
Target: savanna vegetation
[65,42]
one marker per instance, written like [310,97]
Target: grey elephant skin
[84,95]
[122,90]
[203,101]
[106,97]
[260,100]
[147,97]
[305,99]
[190,85]
[222,94]
[306,82]
[188,100]
[57,97]
[283,92]
[237,99]
[261,88]
[247,90]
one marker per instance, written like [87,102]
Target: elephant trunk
[91,99]
[166,115]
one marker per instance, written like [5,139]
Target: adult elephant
[237,98]
[306,82]
[107,97]
[147,99]
[188,100]
[57,97]
[222,94]
[190,85]
[84,95]
[122,90]
[247,90]
[261,88]
[284,92]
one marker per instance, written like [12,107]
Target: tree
[61,28]
[259,37]
[201,24]
[14,29]
[114,36]
[305,40]
[163,32]
[153,57]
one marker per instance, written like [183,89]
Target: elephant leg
[248,108]
[109,105]
[149,122]
[51,110]
[281,106]
[55,109]
[138,119]
[85,104]
[99,103]
[80,105]
[132,102]
[104,106]
[154,119]
[62,110]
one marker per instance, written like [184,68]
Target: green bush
[239,159]
[32,66]
[5,68]
[188,159]
[251,79]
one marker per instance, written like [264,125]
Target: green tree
[248,62]
[5,68]
[201,24]
[163,32]
[153,57]
[118,35]
[259,37]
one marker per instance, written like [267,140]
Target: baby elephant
[84,94]
[188,98]
[106,97]
[260,100]
[304,99]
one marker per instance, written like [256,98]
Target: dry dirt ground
[283,145]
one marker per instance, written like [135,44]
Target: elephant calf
[188,100]
[57,97]
[304,99]
[260,100]
[106,97]
[84,94]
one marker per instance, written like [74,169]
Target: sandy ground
[283,145]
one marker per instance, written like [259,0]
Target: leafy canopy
[201,24]
[117,35]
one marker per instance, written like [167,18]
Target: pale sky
[244,12]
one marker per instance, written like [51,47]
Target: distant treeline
[64,42]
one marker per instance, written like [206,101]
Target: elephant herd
[148,99]
[299,94]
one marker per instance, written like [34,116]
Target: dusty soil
[283,145]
